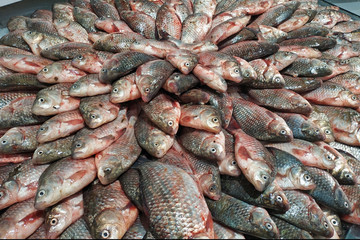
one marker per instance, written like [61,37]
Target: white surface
[7,2]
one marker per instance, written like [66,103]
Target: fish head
[61,23]
[46,103]
[319,68]
[109,224]
[46,195]
[169,119]
[8,192]
[285,56]
[210,188]
[265,226]
[280,130]
[109,73]
[300,104]
[43,132]
[346,175]
[261,175]
[232,71]
[183,60]
[80,148]
[40,153]
[49,71]
[329,134]
[56,221]
[350,98]
[336,223]
[214,147]
[312,131]
[32,37]
[327,159]
[302,178]
[319,221]
[342,201]
[110,169]
[277,197]
[229,166]
[77,89]
[121,91]
[147,87]
[159,144]
[80,60]
[212,120]
[10,140]
[94,117]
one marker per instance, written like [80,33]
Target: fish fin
[77,176]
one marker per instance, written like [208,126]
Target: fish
[210,78]
[20,82]
[242,35]
[24,63]
[65,51]
[62,179]
[19,140]
[271,34]
[290,231]
[322,120]
[190,223]
[21,183]
[305,214]
[343,122]
[63,11]
[125,89]
[71,30]
[167,21]
[151,138]
[344,51]
[54,99]
[247,113]
[282,59]
[86,18]
[40,233]
[301,85]
[136,231]
[98,110]
[91,62]
[116,42]
[151,76]
[88,142]
[13,219]
[195,28]
[183,60]
[6,159]
[89,85]
[228,165]
[119,156]
[328,191]
[239,187]
[299,18]
[121,64]
[202,117]
[4,72]
[349,81]
[164,112]
[329,17]
[353,163]
[110,25]
[226,233]
[140,22]
[307,67]
[308,30]
[148,7]
[38,24]
[307,152]
[334,220]
[318,42]
[63,214]
[242,217]
[61,125]
[250,50]
[267,76]
[203,144]
[352,192]
[179,83]
[302,127]
[52,151]
[104,9]
[302,51]
[14,39]
[77,230]
[153,47]
[347,26]
[59,72]
[6,170]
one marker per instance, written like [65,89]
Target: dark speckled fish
[203,117]
[19,140]
[282,59]
[353,194]
[178,83]
[140,22]
[301,85]
[321,43]
[267,75]
[243,217]
[308,30]
[305,67]
[104,9]
[66,51]
[20,82]
[289,231]
[77,230]
[167,21]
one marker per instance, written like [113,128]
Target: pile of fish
[180,119]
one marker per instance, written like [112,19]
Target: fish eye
[3,141]
[93,116]
[327,132]
[1,194]
[78,145]
[233,163]
[264,177]
[40,152]
[328,157]
[236,70]
[53,221]
[147,90]
[115,90]
[107,170]
[283,132]
[307,177]
[156,144]
[215,120]
[177,77]
[42,129]
[187,64]
[354,97]
[326,225]
[269,226]
[346,204]
[247,74]
[213,150]
[41,193]
[103,70]
[334,222]
[45,69]
[347,175]
[41,100]
[30,32]
[105,234]
[317,130]
[80,57]
[277,79]
[279,198]
[170,123]
[212,188]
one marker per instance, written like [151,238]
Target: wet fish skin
[136,231]
[329,17]
[20,82]
[243,35]
[91,62]
[306,67]
[42,14]
[61,125]
[167,22]
[291,173]
[302,51]
[85,18]
[116,42]
[319,42]
[290,231]
[19,140]
[179,83]
[121,64]
[302,127]
[148,7]
[247,113]
[347,26]
[226,233]
[21,183]
[40,233]
[89,85]
[60,71]
[88,142]
[328,191]
[282,59]
[24,63]
[52,151]
[110,25]
[271,34]
[353,163]
[272,198]
[104,9]
[63,214]
[77,230]
[297,20]
[153,47]
[54,99]
[323,122]
[183,60]
[349,80]
[6,170]
[228,165]
[308,30]
[267,75]
[334,219]
[345,51]
[210,78]
[242,217]
[98,110]
[62,179]
[305,213]
[140,22]
[250,50]
[125,89]
[63,11]
[198,223]
[164,112]
[202,117]
[151,138]
[13,219]
[66,51]
[119,156]
[14,39]
[300,85]
[352,192]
